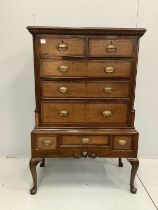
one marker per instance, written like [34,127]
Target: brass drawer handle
[107,113]
[108,90]
[109,69]
[122,142]
[63,89]
[62,47]
[63,69]
[63,113]
[47,143]
[85,140]
[111,47]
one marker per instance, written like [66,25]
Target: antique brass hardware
[63,68]
[108,90]
[111,47]
[62,46]
[63,113]
[85,140]
[47,143]
[107,113]
[63,89]
[109,69]
[122,142]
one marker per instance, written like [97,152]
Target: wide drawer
[75,112]
[67,89]
[86,140]
[111,47]
[52,46]
[69,68]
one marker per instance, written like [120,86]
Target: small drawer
[111,47]
[86,140]
[108,89]
[62,68]
[109,68]
[63,89]
[46,143]
[51,46]
[122,142]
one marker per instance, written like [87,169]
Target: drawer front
[50,46]
[81,112]
[84,89]
[113,47]
[85,140]
[65,68]
[109,69]
[63,89]
[106,113]
[62,68]
[63,112]
[107,89]
[122,142]
[46,143]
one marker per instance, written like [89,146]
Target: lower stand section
[33,163]
[135,164]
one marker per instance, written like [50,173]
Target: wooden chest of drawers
[85,87]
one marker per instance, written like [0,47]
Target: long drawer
[72,68]
[104,89]
[77,112]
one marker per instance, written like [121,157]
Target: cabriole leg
[135,164]
[33,164]
[120,163]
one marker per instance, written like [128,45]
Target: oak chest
[84,87]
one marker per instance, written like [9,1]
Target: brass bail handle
[63,68]
[63,113]
[111,47]
[107,113]
[122,142]
[108,90]
[62,46]
[47,143]
[63,89]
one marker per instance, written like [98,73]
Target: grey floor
[69,184]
